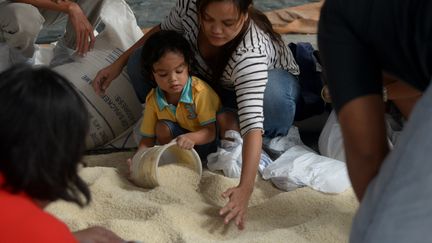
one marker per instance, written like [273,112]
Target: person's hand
[85,38]
[104,78]
[184,142]
[236,208]
[97,234]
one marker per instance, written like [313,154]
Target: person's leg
[397,206]
[166,131]
[91,9]
[227,120]
[19,26]
[280,97]
[136,76]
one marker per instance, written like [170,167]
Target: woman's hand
[105,76]
[237,205]
[85,38]
[97,234]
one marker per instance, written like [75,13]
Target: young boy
[181,107]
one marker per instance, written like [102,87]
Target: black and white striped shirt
[247,69]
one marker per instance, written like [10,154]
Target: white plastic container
[145,163]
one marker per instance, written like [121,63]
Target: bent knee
[13,22]
[163,132]
[20,32]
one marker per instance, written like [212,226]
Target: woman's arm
[239,196]
[105,76]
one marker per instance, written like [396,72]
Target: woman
[247,64]
[43,124]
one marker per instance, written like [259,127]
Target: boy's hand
[184,142]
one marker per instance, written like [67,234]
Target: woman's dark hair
[258,17]
[158,44]
[43,125]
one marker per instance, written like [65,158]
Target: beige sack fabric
[299,19]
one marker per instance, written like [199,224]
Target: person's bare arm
[203,136]
[105,76]
[60,6]
[239,196]
[97,234]
[83,29]
[401,94]
[364,134]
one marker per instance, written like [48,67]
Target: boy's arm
[84,30]
[203,136]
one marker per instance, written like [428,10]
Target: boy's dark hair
[43,124]
[158,44]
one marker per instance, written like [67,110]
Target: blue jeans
[397,206]
[202,150]
[280,96]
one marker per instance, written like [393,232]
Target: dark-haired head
[244,7]
[158,44]
[241,5]
[234,32]
[43,124]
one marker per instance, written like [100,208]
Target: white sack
[301,166]
[118,110]
[330,142]
[227,158]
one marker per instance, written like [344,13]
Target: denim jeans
[397,206]
[280,96]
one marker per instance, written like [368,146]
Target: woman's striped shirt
[247,69]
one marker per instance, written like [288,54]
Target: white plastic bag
[330,142]
[300,166]
[227,158]
[283,143]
